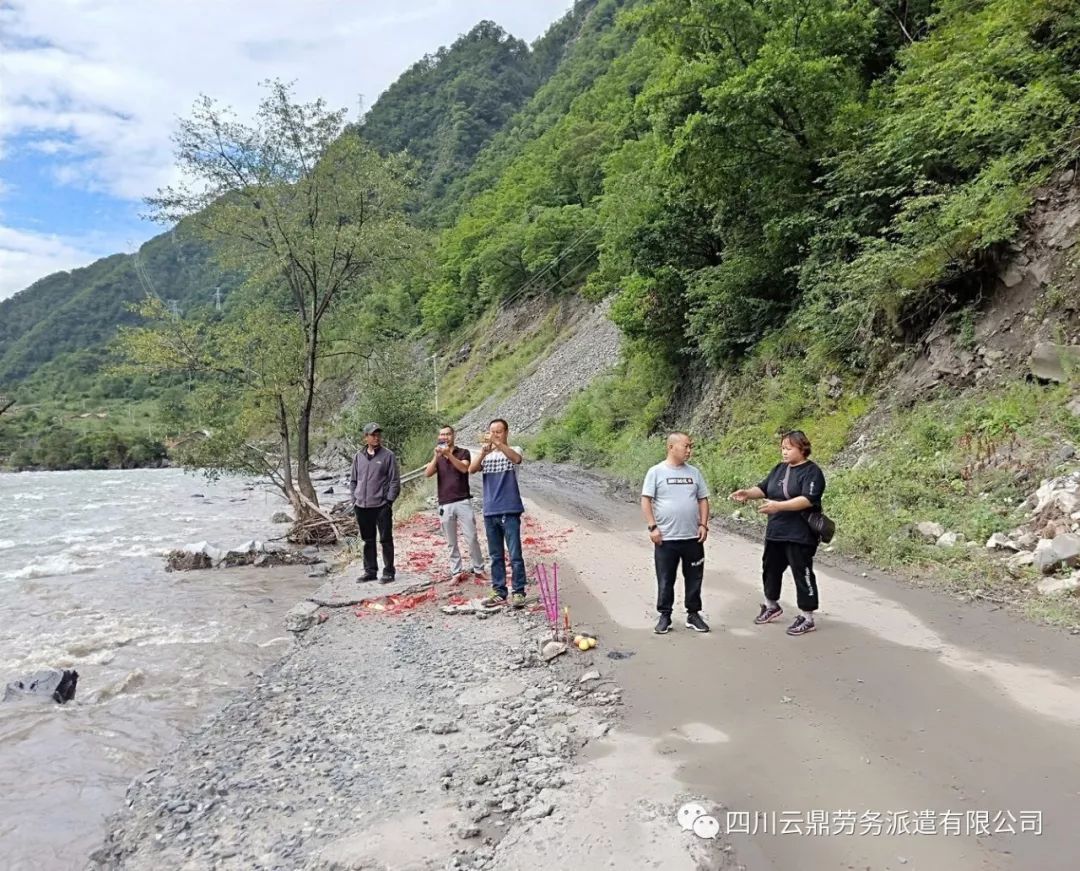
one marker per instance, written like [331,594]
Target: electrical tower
[217,298]
[174,307]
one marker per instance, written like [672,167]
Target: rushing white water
[83,586]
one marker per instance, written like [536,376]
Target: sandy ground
[910,731]
[902,702]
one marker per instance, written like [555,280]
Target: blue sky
[92,90]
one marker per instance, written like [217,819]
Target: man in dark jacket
[374,485]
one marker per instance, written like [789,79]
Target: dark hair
[798,439]
[447,426]
[506,426]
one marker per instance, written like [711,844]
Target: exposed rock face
[590,351]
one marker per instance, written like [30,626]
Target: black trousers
[370,521]
[780,555]
[668,554]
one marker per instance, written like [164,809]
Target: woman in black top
[790,490]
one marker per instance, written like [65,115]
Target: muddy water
[83,586]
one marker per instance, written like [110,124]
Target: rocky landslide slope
[589,349]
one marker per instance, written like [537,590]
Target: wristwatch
[652,526]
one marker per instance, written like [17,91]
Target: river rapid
[83,585]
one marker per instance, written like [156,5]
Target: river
[83,586]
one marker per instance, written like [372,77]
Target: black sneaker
[694,621]
[767,614]
[801,626]
[386,579]
[363,579]
[663,625]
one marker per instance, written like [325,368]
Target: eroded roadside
[419,740]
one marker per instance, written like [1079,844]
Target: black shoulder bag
[823,527]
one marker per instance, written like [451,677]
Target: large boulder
[51,683]
[1062,550]
[1051,362]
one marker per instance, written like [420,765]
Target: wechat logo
[693,818]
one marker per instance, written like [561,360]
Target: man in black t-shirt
[450,465]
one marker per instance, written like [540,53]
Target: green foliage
[500,371]
[396,393]
[314,220]
[447,106]
[940,167]
[44,436]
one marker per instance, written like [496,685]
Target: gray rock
[1022,559]
[1063,454]
[1062,550]
[281,517]
[302,616]
[201,555]
[1000,541]
[588,676]
[1052,362]
[950,539]
[1059,586]
[537,811]
[929,530]
[50,684]
[552,649]
[1027,540]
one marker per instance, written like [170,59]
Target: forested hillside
[780,199]
[442,111]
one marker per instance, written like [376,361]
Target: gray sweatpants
[452,516]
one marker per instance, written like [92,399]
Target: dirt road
[909,731]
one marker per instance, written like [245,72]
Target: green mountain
[791,190]
[443,111]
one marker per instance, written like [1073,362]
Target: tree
[312,218]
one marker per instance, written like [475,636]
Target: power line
[532,281]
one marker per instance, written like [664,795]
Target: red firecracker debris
[423,551]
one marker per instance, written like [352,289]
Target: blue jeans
[500,527]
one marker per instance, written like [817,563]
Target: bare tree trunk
[5,404]
[303,434]
[298,506]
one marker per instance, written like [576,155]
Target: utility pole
[435,378]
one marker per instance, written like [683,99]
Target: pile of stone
[204,555]
[1050,541]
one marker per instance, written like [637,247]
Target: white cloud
[97,85]
[25,256]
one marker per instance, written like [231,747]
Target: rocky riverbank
[384,739]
